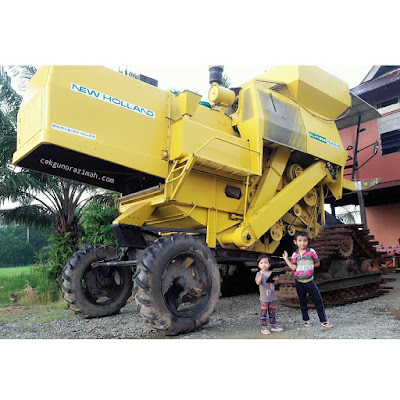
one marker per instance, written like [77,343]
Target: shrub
[48,271]
[97,220]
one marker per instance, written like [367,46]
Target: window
[390,142]
[386,103]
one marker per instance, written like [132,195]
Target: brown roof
[381,81]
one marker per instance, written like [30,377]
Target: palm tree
[226,82]
[44,201]
[348,214]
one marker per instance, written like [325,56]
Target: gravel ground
[371,319]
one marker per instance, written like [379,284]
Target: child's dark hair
[300,233]
[261,256]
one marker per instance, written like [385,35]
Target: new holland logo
[324,140]
[112,100]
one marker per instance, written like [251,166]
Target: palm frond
[24,74]
[7,141]
[43,198]
[10,100]
[28,215]
[226,82]
[348,214]
[106,198]
[17,186]
[127,72]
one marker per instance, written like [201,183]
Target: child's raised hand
[285,255]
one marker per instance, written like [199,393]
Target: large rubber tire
[95,292]
[178,284]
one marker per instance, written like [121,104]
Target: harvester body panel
[95,126]
[234,174]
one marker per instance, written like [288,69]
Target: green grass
[10,271]
[13,280]
[37,312]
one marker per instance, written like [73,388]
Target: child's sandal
[307,324]
[326,324]
[276,328]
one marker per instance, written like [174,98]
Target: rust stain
[395,313]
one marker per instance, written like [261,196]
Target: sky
[195,77]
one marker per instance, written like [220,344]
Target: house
[376,153]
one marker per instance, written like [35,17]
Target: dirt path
[235,318]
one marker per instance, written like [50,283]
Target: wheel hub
[184,285]
[101,284]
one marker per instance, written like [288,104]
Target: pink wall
[386,167]
[384,223]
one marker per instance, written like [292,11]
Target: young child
[267,295]
[303,263]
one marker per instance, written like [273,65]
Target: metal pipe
[362,207]
[117,263]
[359,192]
[356,148]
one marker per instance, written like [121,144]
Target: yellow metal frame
[201,152]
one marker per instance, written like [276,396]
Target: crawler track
[341,241]
[341,282]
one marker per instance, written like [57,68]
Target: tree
[44,200]
[15,249]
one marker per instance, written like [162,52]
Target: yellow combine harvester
[218,184]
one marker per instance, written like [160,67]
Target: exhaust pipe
[216,72]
